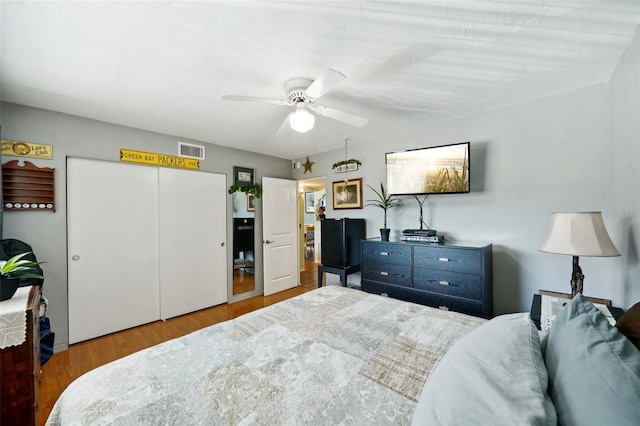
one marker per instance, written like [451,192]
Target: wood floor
[243,281]
[65,367]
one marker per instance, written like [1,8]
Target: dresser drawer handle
[384,253]
[384,273]
[443,259]
[444,283]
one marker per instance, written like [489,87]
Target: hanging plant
[343,162]
[252,189]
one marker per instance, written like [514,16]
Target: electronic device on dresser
[451,277]
[422,236]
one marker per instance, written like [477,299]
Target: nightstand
[536,306]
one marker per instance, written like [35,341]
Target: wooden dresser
[20,372]
[452,277]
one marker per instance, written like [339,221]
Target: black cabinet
[340,242]
[458,278]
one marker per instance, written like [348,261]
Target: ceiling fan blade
[345,117]
[326,81]
[254,99]
[285,125]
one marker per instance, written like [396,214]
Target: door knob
[75,257]
[268,241]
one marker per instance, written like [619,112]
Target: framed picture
[242,176]
[251,203]
[347,195]
[308,202]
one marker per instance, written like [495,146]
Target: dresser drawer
[387,273]
[451,283]
[465,306]
[456,260]
[397,254]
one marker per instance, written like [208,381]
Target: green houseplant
[14,269]
[252,189]
[385,202]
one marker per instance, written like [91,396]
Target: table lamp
[578,234]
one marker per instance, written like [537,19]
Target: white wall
[624,133]
[561,153]
[79,137]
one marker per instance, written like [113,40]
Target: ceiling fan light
[302,120]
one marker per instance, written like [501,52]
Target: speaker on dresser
[340,242]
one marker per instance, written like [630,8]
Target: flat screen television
[434,170]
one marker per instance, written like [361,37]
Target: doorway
[312,194]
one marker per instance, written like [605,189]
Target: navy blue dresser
[451,277]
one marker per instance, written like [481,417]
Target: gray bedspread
[330,356]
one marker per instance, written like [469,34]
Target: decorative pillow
[494,375]
[594,370]
[629,324]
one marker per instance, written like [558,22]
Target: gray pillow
[494,375]
[594,371]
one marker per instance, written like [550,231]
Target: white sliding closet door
[192,232]
[112,247]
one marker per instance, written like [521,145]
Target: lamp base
[577,278]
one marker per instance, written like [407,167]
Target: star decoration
[307,166]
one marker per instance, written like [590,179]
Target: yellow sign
[26,149]
[158,159]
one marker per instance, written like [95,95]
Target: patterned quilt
[330,356]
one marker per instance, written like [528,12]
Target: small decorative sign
[130,156]
[26,149]
[343,166]
[349,167]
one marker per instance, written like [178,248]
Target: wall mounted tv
[434,170]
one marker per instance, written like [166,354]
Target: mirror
[243,242]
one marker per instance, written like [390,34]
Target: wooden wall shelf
[28,187]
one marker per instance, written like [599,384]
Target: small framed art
[308,202]
[347,195]
[242,176]
[251,203]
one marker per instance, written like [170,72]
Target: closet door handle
[268,241]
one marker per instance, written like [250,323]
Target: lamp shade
[302,120]
[578,234]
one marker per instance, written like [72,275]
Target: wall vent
[190,150]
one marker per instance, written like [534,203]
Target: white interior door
[112,247]
[192,235]
[279,236]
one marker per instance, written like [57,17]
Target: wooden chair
[309,240]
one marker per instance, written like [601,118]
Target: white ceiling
[163,66]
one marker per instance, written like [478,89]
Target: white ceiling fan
[302,93]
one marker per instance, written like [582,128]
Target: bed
[336,356]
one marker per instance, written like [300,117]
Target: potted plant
[252,189]
[14,269]
[385,202]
